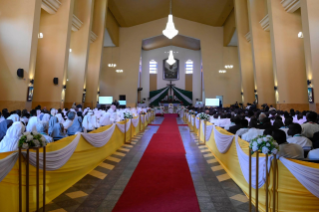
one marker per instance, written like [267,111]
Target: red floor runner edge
[161,182]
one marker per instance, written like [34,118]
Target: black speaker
[20,72]
[122,97]
[56,80]
[139,89]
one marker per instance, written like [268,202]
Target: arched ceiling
[179,41]
[134,12]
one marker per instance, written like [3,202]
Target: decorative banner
[223,141]
[6,164]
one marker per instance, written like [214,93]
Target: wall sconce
[119,70]
[40,35]
[300,35]
[275,88]
[255,91]
[70,50]
[32,81]
[222,71]
[84,90]
[308,82]
[64,86]
[98,92]
[242,93]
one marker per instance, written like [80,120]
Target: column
[261,51]
[80,46]
[53,55]
[288,56]
[19,27]
[95,55]
[245,53]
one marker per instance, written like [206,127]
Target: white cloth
[197,123]
[6,164]
[60,118]
[46,117]
[105,119]
[24,120]
[243,159]
[135,121]
[209,130]
[90,122]
[11,139]
[290,151]
[222,141]
[229,126]
[308,129]
[32,124]
[122,126]
[67,123]
[251,134]
[300,140]
[307,176]
[313,154]
[242,131]
[223,123]
[14,117]
[57,159]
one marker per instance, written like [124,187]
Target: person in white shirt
[42,129]
[244,129]
[253,132]
[113,113]
[11,139]
[313,154]
[14,117]
[32,123]
[297,138]
[105,119]
[286,149]
[90,122]
[309,128]
[68,123]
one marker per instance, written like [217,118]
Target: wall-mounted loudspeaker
[56,80]
[20,72]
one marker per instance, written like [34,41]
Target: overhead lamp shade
[170,31]
[171,59]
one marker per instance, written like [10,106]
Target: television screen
[105,100]
[122,102]
[199,103]
[212,102]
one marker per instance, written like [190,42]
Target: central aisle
[162,181]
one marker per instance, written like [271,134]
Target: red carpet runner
[161,182]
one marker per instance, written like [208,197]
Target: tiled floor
[101,188]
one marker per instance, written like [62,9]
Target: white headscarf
[32,124]
[53,112]
[14,117]
[46,117]
[60,118]
[11,139]
[105,119]
[89,121]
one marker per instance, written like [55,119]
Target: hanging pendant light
[170,31]
[171,59]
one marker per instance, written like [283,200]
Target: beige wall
[261,53]
[229,28]
[78,58]
[19,25]
[129,56]
[288,57]
[53,55]
[245,54]
[113,28]
[95,55]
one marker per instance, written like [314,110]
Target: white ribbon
[184,97]
[157,96]
[209,130]
[135,121]
[307,176]
[222,141]
[122,126]
[192,118]
[99,139]
[6,164]
[244,165]
[197,123]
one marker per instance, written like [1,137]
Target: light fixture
[67,79]
[119,70]
[170,30]
[70,50]
[275,88]
[300,35]
[229,66]
[112,65]
[222,71]
[171,59]
[40,35]
[308,82]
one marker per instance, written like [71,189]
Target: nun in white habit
[11,139]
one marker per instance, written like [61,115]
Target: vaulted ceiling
[134,12]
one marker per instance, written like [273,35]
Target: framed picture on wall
[171,72]
[30,94]
[310,95]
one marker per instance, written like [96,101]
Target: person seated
[4,126]
[76,126]
[56,130]
[14,117]
[271,108]
[253,132]
[68,123]
[313,154]
[227,126]
[105,119]
[264,123]
[11,140]
[42,129]
[25,116]
[278,124]
[244,127]
[296,137]
[288,121]
[90,122]
[309,128]
[237,126]
[32,123]
[286,149]
[60,116]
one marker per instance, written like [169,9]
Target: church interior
[159,105]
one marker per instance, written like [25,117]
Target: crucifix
[170,92]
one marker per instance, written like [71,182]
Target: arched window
[153,67]
[189,66]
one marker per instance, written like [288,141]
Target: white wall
[159,55]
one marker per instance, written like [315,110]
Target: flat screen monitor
[199,103]
[212,102]
[105,100]
[122,102]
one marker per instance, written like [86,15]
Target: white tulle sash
[222,141]
[307,176]
[209,130]
[135,122]
[122,126]
[6,164]
[197,123]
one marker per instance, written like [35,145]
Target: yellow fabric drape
[84,159]
[292,196]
